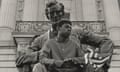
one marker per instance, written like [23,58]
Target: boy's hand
[58,63]
[68,60]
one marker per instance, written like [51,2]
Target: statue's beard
[55,19]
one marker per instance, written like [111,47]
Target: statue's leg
[39,68]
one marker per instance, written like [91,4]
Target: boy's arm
[81,57]
[44,57]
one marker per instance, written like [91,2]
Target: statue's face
[55,13]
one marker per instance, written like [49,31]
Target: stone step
[7,50]
[116,51]
[9,57]
[8,70]
[117,69]
[116,57]
[7,47]
[12,50]
[15,70]
[7,64]
[13,57]
[12,64]
[115,64]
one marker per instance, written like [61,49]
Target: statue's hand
[98,63]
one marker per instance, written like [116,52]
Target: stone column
[112,18]
[79,10]
[0,7]
[7,21]
[73,11]
[89,10]
[30,10]
[41,10]
[76,13]
[0,11]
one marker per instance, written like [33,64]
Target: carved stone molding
[42,26]
[32,26]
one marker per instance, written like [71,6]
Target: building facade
[20,20]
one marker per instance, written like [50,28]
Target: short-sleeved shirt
[53,50]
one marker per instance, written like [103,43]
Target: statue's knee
[39,68]
[39,65]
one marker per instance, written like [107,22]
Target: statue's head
[54,11]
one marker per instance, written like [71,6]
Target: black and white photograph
[59,35]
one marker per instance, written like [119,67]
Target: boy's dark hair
[52,4]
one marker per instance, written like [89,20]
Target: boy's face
[65,30]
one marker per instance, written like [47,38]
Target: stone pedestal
[22,45]
[22,42]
